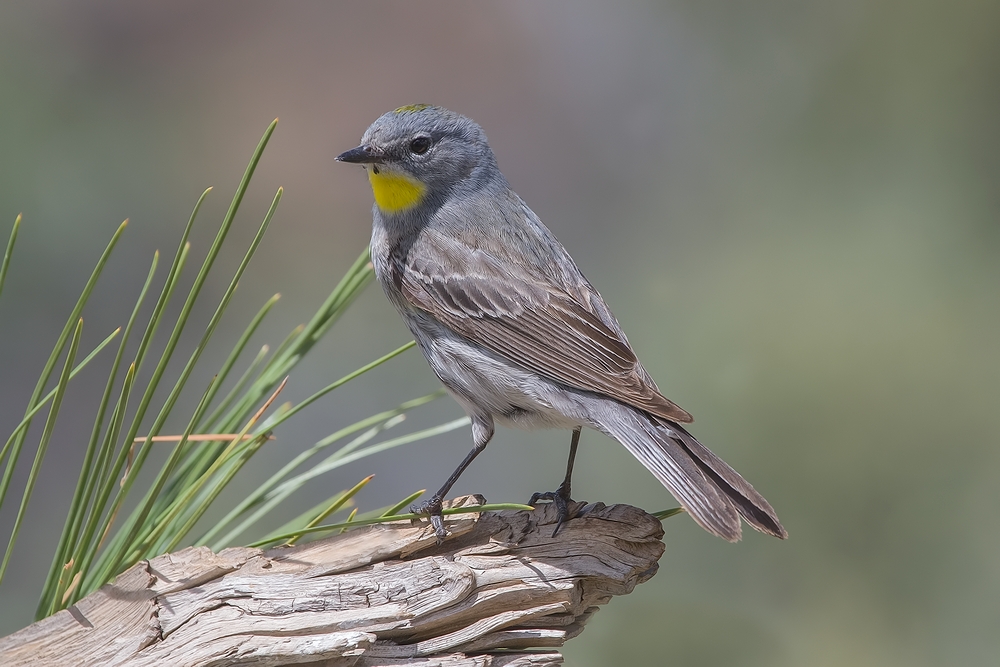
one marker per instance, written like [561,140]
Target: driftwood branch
[384,595]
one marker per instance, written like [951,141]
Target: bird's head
[420,152]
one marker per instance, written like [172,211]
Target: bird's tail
[714,494]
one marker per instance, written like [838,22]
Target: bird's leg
[561,496]
[482,431]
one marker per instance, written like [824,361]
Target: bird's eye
[420,144]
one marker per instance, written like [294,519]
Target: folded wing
[533,322]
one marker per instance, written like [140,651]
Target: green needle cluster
[111,522]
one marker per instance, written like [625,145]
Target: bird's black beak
[360,155]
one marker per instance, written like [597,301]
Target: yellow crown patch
[410,108]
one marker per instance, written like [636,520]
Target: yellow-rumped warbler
[510,325]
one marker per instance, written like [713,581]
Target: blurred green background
[793,208]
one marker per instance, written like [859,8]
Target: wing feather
[534,322]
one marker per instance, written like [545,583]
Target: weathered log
[497,590]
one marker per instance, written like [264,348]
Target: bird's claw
[560,498]
[432,509]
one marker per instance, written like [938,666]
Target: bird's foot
[560,498]
[432,509]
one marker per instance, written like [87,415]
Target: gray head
[421,151]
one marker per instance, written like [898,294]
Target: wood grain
[498,590]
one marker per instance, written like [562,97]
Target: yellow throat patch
[395,193]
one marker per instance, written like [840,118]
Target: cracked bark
[500,591]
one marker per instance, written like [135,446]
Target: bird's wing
[534,322]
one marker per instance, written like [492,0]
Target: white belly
[486,384]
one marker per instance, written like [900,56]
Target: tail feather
[714,494]
[751,505]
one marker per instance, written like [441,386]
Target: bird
[510,325]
